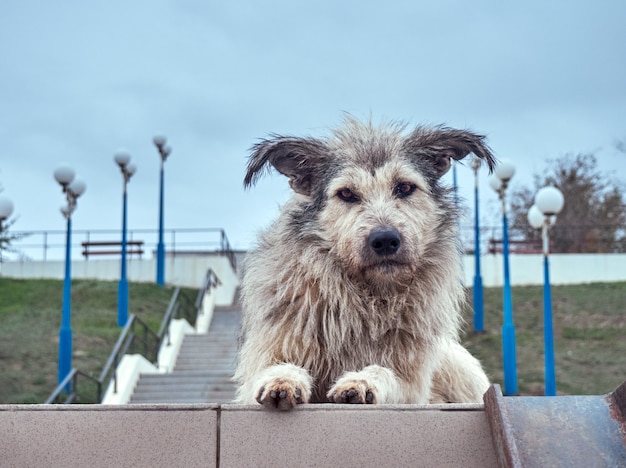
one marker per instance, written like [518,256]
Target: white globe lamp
[549,201]
[535,217]
[64,175]
[505,170]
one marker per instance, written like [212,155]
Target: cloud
[83,79]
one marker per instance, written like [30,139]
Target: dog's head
[372,196]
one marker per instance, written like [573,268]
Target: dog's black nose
[384,241]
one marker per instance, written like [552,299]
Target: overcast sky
[81,79]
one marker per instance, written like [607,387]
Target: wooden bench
[103,248]
[516,246]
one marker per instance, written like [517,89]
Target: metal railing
[136,338]
[146,343]
[68,393]
[50,245]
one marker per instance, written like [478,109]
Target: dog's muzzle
[384,241]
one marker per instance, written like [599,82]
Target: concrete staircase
[203,368]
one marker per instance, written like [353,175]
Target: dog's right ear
[297,158]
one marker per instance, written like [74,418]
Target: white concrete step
[203,369]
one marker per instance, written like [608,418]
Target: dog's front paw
[282,386]
[351,391]
[280,394]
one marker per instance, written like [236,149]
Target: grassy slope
[589,336]
[30,318]
[589,323]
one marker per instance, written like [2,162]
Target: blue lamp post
[542,215]
[122,158]
[478,281]
[499,182]
[164,152]
[73,188]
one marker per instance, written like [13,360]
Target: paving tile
[345,435]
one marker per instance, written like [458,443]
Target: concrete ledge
[349,435]
[105,436]
[189,435]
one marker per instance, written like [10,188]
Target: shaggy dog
[353,295]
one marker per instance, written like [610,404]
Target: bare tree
[593,219]
[7,237]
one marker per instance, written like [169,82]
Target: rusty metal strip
[501,428]
[617,407]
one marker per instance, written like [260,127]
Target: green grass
[589,324]
[589,337]
[30,319]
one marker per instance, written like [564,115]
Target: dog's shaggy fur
[354,294]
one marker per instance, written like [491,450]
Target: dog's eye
[346,195]
[404,189]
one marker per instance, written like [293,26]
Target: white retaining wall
[188,270]
[564,269]
[185,270]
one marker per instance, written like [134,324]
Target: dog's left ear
[443,144]
[300,159]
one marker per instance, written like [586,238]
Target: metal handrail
[68,388]
[210,281]
[112,361]
[226,249]
[129,338]
[171,311]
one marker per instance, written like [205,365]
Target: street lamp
[499,182]
[478,281]
[72,188]
[542,215]
[122,158]
[164,152]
